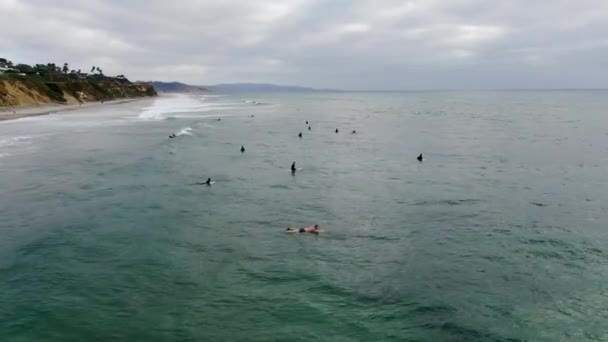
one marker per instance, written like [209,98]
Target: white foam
[211,96]
[185,131]
[179,106]
[16,140]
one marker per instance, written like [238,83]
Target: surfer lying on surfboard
[311,230]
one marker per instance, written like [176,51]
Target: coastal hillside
[22,84]
[263,87]
[176,87]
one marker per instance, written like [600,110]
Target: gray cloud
[351,44]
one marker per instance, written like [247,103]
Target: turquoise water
[500,234]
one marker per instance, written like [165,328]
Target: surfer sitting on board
[208,182]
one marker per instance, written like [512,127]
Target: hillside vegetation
[46,83]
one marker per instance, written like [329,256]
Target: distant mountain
[261,87]
[176,87]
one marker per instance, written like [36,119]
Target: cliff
[18,91]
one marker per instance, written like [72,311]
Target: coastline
[19,112]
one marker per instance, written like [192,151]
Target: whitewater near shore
[12,113]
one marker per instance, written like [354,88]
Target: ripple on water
[465,201]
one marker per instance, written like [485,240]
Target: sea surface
[499,234]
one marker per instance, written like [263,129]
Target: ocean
[499,234]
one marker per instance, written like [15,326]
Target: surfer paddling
[310,230]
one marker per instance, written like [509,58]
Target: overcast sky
[349,44]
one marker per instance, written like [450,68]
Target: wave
[211,96]
[257,103]
[447,202]
[16,140]
[185,131]
[180,106]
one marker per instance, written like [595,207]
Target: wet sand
[18,112]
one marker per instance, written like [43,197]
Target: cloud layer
[350,44]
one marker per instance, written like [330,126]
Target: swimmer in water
[300,135]
[354,132]
[293,167]
[242,149]
[218,119]
[307,122]
[336,130]
[309,128]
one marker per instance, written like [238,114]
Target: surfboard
[202,183]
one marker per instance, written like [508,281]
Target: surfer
[300,135]
[218,119]
[242,149]
[307,122]
[336,130]
[419,157]
[310,230]
[172,136]
[309,128]
[293,167]
[208,182]
[354,132]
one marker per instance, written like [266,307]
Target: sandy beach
[18,112]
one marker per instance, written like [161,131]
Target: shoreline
[20,112]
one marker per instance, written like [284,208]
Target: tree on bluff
[26,69]
[66,68]
[5,63]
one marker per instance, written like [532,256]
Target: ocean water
[500,234]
